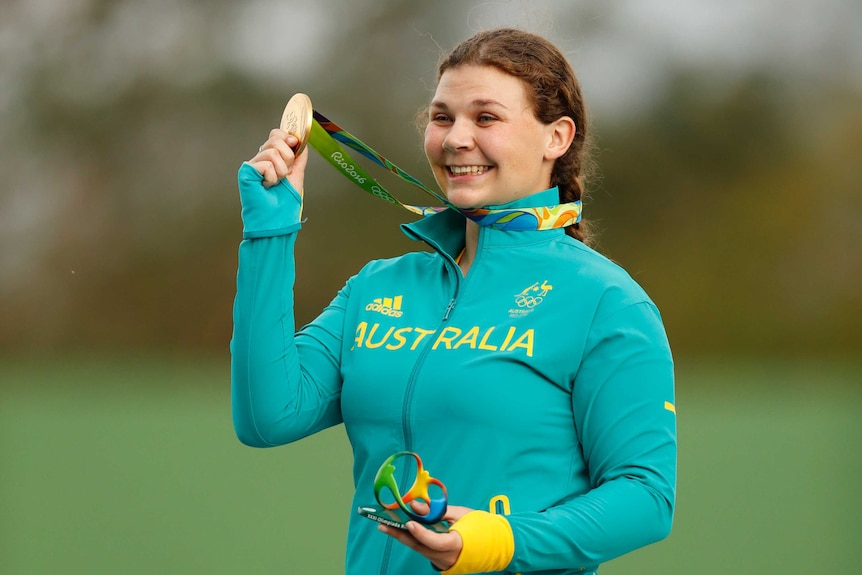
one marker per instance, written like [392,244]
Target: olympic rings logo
[385,479]
[528,301]
[378,192]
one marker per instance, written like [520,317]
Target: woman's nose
[459,137]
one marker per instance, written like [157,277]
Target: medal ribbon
[327,138]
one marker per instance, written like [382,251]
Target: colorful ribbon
[327,139]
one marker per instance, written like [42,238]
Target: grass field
[131,466]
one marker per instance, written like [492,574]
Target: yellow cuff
[488,543]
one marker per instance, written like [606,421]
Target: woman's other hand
[442,549]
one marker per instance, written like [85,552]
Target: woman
[532,374]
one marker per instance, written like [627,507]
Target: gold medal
[296,120]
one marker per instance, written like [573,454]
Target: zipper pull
[449,309]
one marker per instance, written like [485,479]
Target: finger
[281,164]
[406,538]
[285,145]
[285,142]
[420,507]
[301,160]
[297,170]
[284,148]
[277,141]
[442,542]
[265,170]
[402,536]
[442,559]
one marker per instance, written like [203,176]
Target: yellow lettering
[508,338]
[447,340]
[484,343]
[525,341]
[450,338]
[369,344]
[401,339]
[422,333]
[469,338]
[360,335]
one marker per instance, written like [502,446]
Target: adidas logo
[390,306]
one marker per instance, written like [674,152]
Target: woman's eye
[439,118]
[485,118]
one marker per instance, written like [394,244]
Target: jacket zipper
[414,374]
[408,397]
[449,309]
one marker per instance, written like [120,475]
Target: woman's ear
[561,133]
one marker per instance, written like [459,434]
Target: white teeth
[468,170]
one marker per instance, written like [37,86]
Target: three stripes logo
[389,306]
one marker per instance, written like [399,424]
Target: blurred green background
[726,137]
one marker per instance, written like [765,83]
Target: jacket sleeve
[284,386]
[625,418]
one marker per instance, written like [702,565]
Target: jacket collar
[444,231]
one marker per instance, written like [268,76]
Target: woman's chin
[465,202]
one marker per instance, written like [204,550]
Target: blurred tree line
[732,198]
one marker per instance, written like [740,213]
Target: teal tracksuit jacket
[540,385]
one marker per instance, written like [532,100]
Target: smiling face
[483,141]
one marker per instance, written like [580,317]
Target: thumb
[296,177]
[435,541]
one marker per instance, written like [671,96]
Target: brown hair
[552,88]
